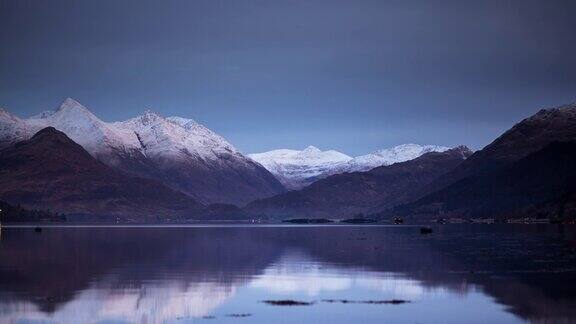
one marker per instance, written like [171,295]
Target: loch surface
[247,274]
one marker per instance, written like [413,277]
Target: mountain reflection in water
[497,274]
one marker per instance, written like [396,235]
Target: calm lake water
[458,274]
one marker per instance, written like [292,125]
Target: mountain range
[344,195]
[529,171]
[152,168]
[180,153]
[298,169]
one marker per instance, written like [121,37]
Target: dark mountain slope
[344,195]
[50,171]
[528,136]
[540,184]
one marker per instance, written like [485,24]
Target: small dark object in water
[37,229]
[208,317]
[287,302]
[425,230]
[375,302]
[239,315]
[398,220]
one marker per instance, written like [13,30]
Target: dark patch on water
[287,302]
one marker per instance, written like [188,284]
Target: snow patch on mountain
[297,169]
[396,154]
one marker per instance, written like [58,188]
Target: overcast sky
[338,74]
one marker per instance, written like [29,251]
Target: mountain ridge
[346,194]
[525,137]
[179,152]
[298,169]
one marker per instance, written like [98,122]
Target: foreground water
[348,274]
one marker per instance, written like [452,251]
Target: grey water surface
[241,274]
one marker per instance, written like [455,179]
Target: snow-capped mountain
[175,137]
[200,162]
[181,153]
[297,169]
[102,140]
[399,153]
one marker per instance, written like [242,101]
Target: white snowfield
[296,169]
[148,134]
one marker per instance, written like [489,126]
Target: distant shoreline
[249,224]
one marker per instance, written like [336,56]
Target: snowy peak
[70,104]
[310,151]
[309,156]
[69,114]
[84,128]
[176,137]
[149,117]
[296,169]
